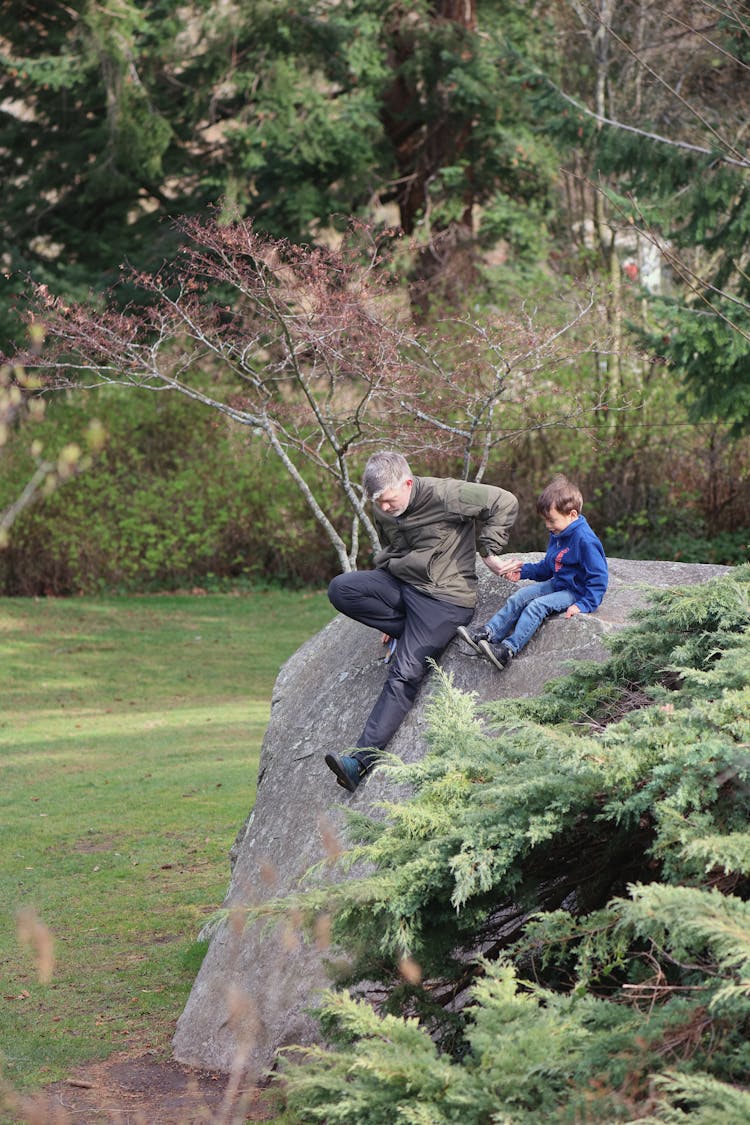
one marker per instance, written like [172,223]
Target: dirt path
[144,1091]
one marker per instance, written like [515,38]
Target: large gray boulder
[256,985]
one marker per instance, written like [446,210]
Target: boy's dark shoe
[474,638]
[348,771]
[500,655]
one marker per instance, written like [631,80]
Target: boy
[572,577]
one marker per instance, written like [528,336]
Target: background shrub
[177,498]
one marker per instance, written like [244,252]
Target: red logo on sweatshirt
[559,558]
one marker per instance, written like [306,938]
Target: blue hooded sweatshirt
[575,561]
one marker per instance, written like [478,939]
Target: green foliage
[709,344]
[688,924]
[93,132]
[115,116]
[175,500]
[679,635]
[699,209]
[592,845]
[658,535]
[299,155]
[526,1047]
[701,1100]
[522,227]
[532,1056]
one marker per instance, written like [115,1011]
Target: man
[423,586]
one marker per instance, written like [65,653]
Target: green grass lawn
[130,731]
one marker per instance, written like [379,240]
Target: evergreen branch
[730,853]
[696,919]
[701,1098]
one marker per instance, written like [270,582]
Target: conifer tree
[114,116]
[555,927]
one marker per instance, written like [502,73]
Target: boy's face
[556,521]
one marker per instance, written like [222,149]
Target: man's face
[395,501]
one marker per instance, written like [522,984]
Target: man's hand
[504,568]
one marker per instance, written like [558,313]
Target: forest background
[244,244]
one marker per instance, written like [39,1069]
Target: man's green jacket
[433,544]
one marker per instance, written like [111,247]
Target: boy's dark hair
[561,495]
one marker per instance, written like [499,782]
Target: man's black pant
[423,626]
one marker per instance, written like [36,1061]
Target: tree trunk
[422,143]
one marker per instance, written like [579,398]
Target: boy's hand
[504,568]
[572,610]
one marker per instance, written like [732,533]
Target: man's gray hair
[384,470]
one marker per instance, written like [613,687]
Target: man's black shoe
[347,769]
[473,639]
[500,655]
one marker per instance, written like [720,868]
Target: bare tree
[312,350]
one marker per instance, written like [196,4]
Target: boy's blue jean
[525,611]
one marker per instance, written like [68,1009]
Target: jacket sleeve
[595,577]
[539,571]
[494,510]
[389,542]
